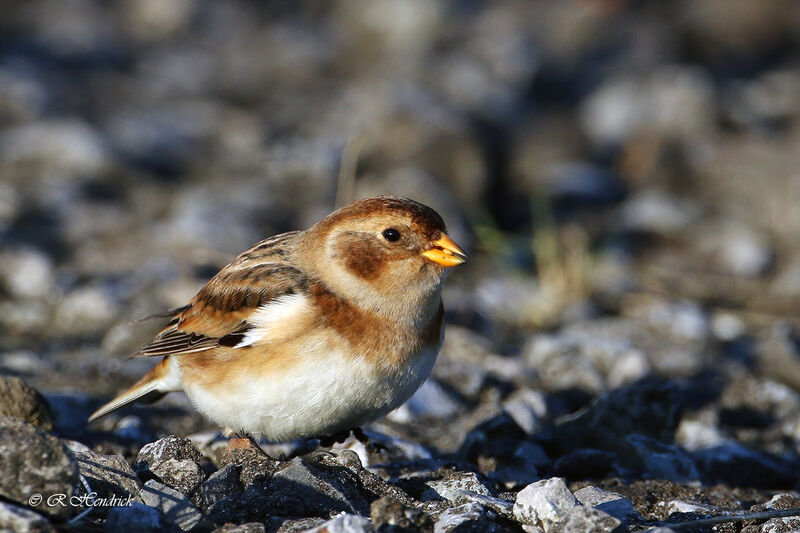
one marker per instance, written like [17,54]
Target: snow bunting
[311,333]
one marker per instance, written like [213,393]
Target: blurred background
[625,176]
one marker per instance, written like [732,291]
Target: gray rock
[785,500]
[738,465]
[683,506]
[586,462]
[344,523]
[70,410]
[610,503]
[371,484]
[251,464]
[22,520]
[527,407]
[175,507]
[650,408]
[389,514]
[735,248]
[136,517]
[175,461]
[594,355]
[470,517]
[250,527]
[305,488]
[26,273]
[108,475]
[23,362]
[789,524]
[657,212]
[430,401]
[699,430]
[663,461]
[281,524]
[132,428]
[20,400]
[182,474]
[584,518]
[500,440]
[35,463]
[170,447]
[26,316]
[218,492]
[85,311]
[67,148]
[500,506]
[449,487]
[544,503]
[75,446]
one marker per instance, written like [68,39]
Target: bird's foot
[245,441]
[359,434]
[330,440]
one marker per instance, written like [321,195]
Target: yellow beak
[445,252]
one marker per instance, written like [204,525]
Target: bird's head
[385,252]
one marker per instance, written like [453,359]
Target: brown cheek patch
[364,258]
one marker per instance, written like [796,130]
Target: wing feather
[220,311]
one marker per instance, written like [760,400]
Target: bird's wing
[231,303]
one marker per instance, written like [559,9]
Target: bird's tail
[154,385]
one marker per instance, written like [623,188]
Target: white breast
[324,393]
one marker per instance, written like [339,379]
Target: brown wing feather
[219,312]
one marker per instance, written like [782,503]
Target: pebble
[69,148]
[611,503]
[35,462]
[528,408]
[737,465]
[388,514]
[310,488]
[430,400]
[218,492]
[108,475]
[470,517]
[175,461]
[21,520]
[250,527]
[26,273]
[683,506]
[582,518]
[20,400]
[544,503]
[84,311]
[175,507]
[450,487]
[663,461]
[135,517]
[344,523]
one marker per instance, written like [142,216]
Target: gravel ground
[623,348]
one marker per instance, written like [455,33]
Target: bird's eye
[391,235]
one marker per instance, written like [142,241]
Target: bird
[312,333]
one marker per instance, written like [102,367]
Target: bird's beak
[445,252]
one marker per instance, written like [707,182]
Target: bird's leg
[359,434]
[329,440]
[240,440]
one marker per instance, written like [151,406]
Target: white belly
[318,396]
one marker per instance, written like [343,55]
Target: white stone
[449,488]
[544,503]
[609,502]
[344,523]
